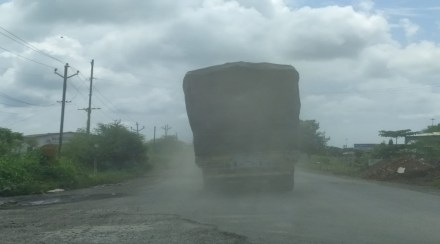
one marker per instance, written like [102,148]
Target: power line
[24,102]
[107,101]
[10,121]
[26,58]
[78,91]
[19,40]
[106,104]
[103,112]
[24,43]
[104,100]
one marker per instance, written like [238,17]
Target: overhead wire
[22,101]
[8,34]
[28,59]
[21,41]
[101,99]
[78,91]
[11,121]
[109,102]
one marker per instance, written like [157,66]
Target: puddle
[45,202]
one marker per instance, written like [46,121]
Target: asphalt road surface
[172,207]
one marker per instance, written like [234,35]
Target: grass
[341,166]
[21,175]
[333,165]
[109,177]
[436,183]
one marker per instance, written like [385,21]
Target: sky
[364,65]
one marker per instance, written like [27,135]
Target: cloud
[356,78]
[409,27]
[366,6]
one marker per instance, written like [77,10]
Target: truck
[244,118]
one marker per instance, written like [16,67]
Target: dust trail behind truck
[244,118]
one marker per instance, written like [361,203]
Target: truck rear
[244,118]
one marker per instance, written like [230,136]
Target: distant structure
[364,146]
[40,140]
[419,136]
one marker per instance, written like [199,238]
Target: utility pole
[137,128]
[154,136]
[63,102]
[432,122]
[166,128]
[88,117]
[89,109]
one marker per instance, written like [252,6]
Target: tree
[111,145]
[334,151]
[432,128]
[81,148]
[386,151]
[9,141]
[395,133]
[118,146]
[311,140]
[428,147]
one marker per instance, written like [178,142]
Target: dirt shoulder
[102,214]
[423,184]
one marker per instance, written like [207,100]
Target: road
[172,207]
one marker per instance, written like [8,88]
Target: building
[39,140]
[414,138]
[364,146]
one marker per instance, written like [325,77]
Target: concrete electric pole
[137,128]
[89,109]
[166,128]
[63,103]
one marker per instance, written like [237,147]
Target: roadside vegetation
[418,161]
[113,153]
[168,150]
[108,155]
[335,164]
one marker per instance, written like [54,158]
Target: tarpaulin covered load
[242,108]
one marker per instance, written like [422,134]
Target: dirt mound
[399,168]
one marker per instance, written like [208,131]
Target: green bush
[119,153]
[113,146]
[336,165]
[436,183]
[9,141]
[167,150]
[25,174]
[14,175]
